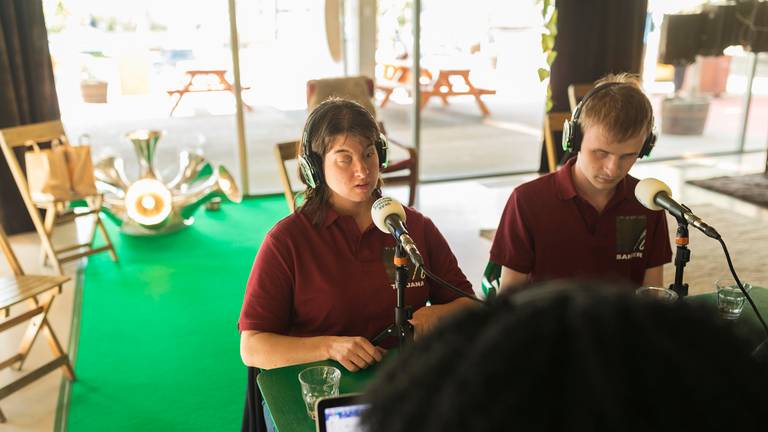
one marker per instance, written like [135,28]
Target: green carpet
[158,344]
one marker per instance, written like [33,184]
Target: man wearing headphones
[584,220]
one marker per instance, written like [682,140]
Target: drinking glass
[730,299]
[318,382]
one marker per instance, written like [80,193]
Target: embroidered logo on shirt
[630,237]
[415,278]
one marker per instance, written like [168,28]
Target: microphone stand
[401,328]
[682,256]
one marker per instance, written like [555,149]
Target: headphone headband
[593,91]
[573,133]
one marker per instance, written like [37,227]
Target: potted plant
[92,88]
[683,113]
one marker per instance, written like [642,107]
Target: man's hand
[354,353]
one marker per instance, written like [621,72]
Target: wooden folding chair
[576,93]
[57,212]
[38,292]
[553,122]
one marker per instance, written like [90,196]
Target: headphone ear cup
[571,136]
[648,145]
[312,169]
[567,136]
[306,172]
[567,140]
[317,168]
[382,151]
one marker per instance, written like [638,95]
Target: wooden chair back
[576,93]
[553,122]
[285,152]
[38,132]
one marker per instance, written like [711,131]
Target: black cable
[445,284]
[741,287]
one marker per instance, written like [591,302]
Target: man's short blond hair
[623,111]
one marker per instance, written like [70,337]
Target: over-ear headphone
[311,163]
[573,133]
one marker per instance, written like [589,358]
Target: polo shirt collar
[564,181]
[330,216]
[567,190]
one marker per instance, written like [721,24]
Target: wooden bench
[38,293]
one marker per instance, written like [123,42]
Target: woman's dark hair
[329,119]
[572,356]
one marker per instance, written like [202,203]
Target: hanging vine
[548,35]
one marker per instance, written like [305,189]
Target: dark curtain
[27,91]
[594,38]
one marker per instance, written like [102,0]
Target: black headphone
[311,163]
[573,134]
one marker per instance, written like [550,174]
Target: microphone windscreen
[383,207]
[646,191]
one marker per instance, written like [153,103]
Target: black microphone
[654,194]
[389,216]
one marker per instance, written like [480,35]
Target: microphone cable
[447,285]
[746,294]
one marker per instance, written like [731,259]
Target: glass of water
[730,299]
[318,382]
[661,294]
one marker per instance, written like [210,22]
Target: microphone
[655,195]
[389,216]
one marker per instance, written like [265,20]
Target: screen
[344,418]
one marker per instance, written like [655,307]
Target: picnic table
[203,80]
[449,83]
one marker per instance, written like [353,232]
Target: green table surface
[747,324]
[282,393]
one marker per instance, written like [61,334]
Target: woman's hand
[354,353]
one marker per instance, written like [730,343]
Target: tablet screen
[344,418]
[340,414]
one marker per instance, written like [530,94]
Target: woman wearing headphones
[321,286]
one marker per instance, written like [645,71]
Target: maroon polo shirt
[548,231]
[332,279]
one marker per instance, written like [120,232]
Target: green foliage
[551,24]
[56,15]
[547,42]
[549,99]
[548,37]
[543,73]
[551,57]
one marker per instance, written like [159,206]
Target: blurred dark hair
[572,356]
